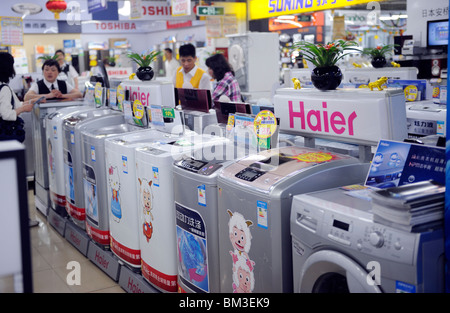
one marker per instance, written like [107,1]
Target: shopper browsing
[189,75]
[10,106]
[171,64]
[50,86]
[227,87]
[68,72]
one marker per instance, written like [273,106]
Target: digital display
[341,225]
[249,174]
[192,165]
[437,33]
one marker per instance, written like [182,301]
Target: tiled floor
[50,255]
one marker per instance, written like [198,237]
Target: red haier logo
[322,120]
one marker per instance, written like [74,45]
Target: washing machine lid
[427,107]
[79,117]
[278,164]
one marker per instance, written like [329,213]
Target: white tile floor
[50,255]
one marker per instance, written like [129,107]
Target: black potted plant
[326,75]
[378,54]
[144,71]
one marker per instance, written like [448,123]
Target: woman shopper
[11,125]
[227,85]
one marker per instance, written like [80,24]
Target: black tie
[53,87]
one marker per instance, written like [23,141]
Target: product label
[201,195]
[124,164]
[261,208]
[402,287]
[155,171]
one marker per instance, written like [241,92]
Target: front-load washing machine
[54,135]
[95,179]
[337,247]
[155,185]
[195,195]
[41,179]
[122,194]
[254,203]
[73,169]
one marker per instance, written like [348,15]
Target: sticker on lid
[313,157]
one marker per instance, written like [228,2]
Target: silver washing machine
[72,128]
[95,182]
[195,192]
[254,203]
[41,180]
[336,247]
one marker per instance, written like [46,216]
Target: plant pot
[145,73]
[378,62]
[326,78]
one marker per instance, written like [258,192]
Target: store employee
[189,75]
[51,87]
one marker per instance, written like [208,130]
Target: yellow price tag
[265,124]
[138,109]
[411,93]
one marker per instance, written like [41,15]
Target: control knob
[376,239]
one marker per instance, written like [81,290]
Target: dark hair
[168,50]
[59,51]
[219,65]
[6,67]
[187,50]
[51,62]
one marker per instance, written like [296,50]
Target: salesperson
[50,86]
[189,75]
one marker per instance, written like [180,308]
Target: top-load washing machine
[155,183]
[41,179]
[337,247]
[54,135]
[122,194]
[95,178]
[73,126]
[195,195]
[254,203]
[426,118]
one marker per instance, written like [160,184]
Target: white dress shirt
[205,81]
[6,110]
[35,87]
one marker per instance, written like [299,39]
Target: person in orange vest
[189,75]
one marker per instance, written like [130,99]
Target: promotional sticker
[120,97]
[138,109]
[411,93]
[265,124]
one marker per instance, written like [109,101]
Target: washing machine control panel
[364,235]
[249,174]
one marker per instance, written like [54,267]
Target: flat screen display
[437,33]
[223,109]
[193,99]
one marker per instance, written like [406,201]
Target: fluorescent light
[286,17]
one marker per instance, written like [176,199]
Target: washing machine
[426,118]
[337,247]
[95,179]
[122,194]
[155,185]
[73,169]
[254,203]
[54,135]
[41,179]
[195,194]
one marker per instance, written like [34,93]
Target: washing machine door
[329,271]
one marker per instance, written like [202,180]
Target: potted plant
[378,54]
[326,75]
[144,71]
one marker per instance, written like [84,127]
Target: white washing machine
[336,247]
[155,185]
[73,169]
[426,118]
[38,117]
[195,192]
[122,194]
[254,203]
[95,182]
[54,135]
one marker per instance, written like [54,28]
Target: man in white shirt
[51,87]
[189,75]
[68,72]
[171,64]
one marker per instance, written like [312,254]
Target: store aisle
[50,255]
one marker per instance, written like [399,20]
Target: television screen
[193,99]
[437,33]
[225,108]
